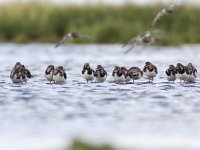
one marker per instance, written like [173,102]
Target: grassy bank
[41,22]
[79,145]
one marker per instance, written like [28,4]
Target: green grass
[39,22]
[79,145]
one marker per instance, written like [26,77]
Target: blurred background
[108,21]
[39,116]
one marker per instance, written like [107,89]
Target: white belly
[150,74]
[25,80]
[128,79]
[190,78]
[58,79]
[171,78]
[119,79]
[49,77]
[88,77]
[100,79]
[183,76]
[15,80]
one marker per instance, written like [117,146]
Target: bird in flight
[72,35]
[167,10]
[146,38]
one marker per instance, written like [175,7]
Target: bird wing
[64,39]
[130,48]
[132,41]
[164,12]
[172,7]
[83,35]
[159,14]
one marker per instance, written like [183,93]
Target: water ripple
[96,110]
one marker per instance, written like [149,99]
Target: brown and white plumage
[20,74]
[191,72]
[170,73]
[135,73]
[118,75]
[125,72]
[59,75]
[16,75]
[88,72]
[100,74]
[72,35]
[181,72]
[169,9]
[150,70]
[146,38]
[49,73]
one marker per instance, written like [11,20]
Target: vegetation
[78,145]
[39,22]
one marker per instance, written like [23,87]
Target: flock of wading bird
[20,74]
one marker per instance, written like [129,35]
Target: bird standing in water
[88,72]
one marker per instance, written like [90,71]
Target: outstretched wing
[172,7]
[134,40]
[164,12]
[72,35]
[83,35]
[129,49]
[158,16]
[64,39]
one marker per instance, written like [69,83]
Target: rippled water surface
[43,116]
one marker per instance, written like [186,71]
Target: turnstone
[164,12]
[118,75]
[59,75]
[49,73]
[72,35]
[26,72]
[126,74]
[15,74]
[100,74]
[150,70]
[191,72]
[88,72]
[171,73]
[135,73]
[20,74]
[146,38]
[181,72]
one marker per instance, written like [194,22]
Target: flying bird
[146,38]
[169,9]
[72,35]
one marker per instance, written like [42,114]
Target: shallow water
[39,115]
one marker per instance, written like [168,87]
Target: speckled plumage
[59,75]
[191,72]
[150,70]
[49,73]
[100,74]
[88,72]
[181,72]
[171,73]
[135,73]
[118,75]
[20,74]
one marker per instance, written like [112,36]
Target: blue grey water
[39,115]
